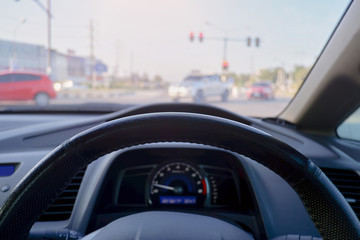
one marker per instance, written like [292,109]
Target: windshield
[65,52]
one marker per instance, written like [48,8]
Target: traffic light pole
[225,40]
[225,49]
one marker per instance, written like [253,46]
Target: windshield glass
[65,52]
[350,128]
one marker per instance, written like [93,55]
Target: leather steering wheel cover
[330,212]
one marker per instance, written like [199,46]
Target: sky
[153,36]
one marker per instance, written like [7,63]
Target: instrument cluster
[174,183]
[199,180]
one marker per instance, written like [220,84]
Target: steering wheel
[330,212]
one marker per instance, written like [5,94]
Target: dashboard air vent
[62,207]
[348,183]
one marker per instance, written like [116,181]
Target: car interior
[105,175]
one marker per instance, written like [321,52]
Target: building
[31,57]
[22,56]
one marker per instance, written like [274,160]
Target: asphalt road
[257,108]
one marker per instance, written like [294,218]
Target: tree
[299,74]
[157,79]
[268,74]
[241,79]
[145,77]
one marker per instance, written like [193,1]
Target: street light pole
[47,10]
[13,60]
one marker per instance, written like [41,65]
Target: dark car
[260,90]
[26,86]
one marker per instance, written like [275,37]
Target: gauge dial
[177,183]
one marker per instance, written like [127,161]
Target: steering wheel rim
[330,212]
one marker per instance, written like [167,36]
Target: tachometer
[177,183]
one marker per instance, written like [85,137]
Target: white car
[200,87]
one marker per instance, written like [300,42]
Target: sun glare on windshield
[249,57]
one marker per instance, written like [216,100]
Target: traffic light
[248,41]
[257,42]
[191,35]
[225,65]
[201,36]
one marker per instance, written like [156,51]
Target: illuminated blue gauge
[177,183]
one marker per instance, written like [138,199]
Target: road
[257,108]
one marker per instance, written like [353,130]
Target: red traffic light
[201,37]
[191,36]
[248,41]
[225,65]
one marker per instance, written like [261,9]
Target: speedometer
[177,183]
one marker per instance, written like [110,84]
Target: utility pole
[131,63]
[133,78]
[92,57]
[117,53]
[48,11]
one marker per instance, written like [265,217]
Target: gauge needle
[164,187]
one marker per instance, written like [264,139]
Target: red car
[260,90]
[26,86]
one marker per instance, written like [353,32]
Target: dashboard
[173,179]
[177,177]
